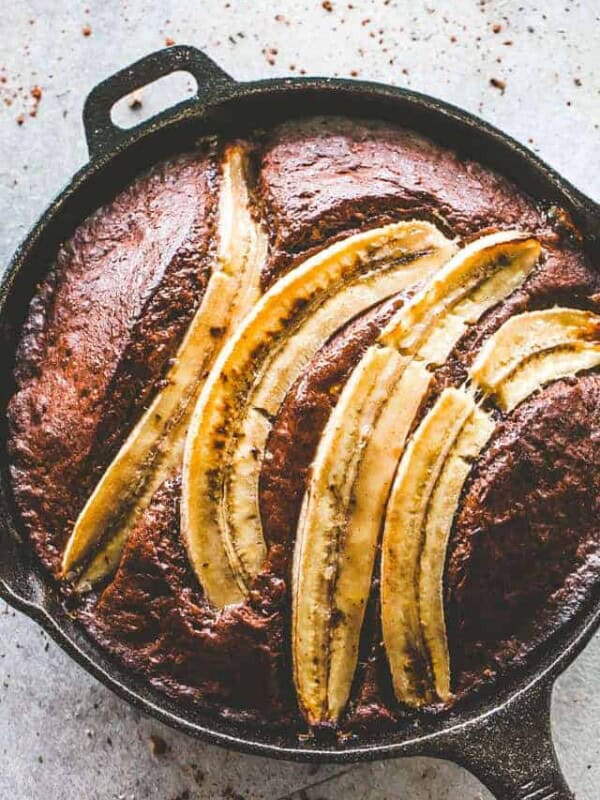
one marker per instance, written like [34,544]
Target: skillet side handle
[103,135]
[511,750]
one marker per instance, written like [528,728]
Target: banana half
[532,349]
[227,439]
[358,455]
[405,519]
[153,451]
[527,352]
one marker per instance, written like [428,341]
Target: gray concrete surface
[62,735]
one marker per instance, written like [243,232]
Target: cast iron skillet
[504,738]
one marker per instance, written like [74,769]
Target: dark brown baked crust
[324,176]
[98,337]
[528,524]
[153,616]
[108,318]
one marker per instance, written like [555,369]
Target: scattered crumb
[230,794]
[496,28]
[20,119]
[169,41]
[498,84]
[135,101]
[199,775]
[86,30]
[158,746]
[36,93]
[269,53]
[577,81]
[327,5]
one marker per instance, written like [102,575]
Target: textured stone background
[62,735]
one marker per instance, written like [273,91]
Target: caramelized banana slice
[530,334]
[358,454]
[314,622]
[411,491]
[440,516]
[535,348]
[154,449]
[539,370]
[331,572]
[228,433]
[479,276]
[528,351]
[336,538]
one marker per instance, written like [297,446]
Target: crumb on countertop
[135,101]
[158,745]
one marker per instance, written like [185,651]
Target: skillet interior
[249,107]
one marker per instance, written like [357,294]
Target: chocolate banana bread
[307,427]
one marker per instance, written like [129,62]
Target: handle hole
[152,98]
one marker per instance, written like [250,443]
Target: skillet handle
[102,134]
[511,749]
